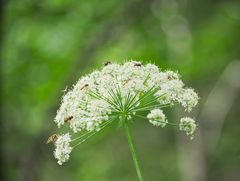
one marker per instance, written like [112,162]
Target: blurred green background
[48,45]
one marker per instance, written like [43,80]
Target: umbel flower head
[120,92]
[188,125]
[63,148]
[157,118]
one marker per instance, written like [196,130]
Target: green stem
[132,149]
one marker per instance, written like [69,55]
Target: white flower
[169,91]
[188,125]
[120,92]
[62,148]
[157,118]
[188,99]
[98,95]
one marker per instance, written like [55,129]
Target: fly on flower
[67,119]
[107,63]
[121,92]
[137,64]
[52,138]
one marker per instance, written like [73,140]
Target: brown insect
[136,64]
[107,63]
[126,81]
[67,119]
[52,138]
[84,86]
[169,77]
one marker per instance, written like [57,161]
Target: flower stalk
[133,151]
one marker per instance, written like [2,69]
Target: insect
[107,63]
[67,119]
[137,64]
[126,81]
[65,90]
[52,138]
[170,77]
[84,86]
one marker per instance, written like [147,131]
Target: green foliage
[47,45]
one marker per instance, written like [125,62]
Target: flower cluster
[188,125]
[63,148]
[120,92]
[157,118]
